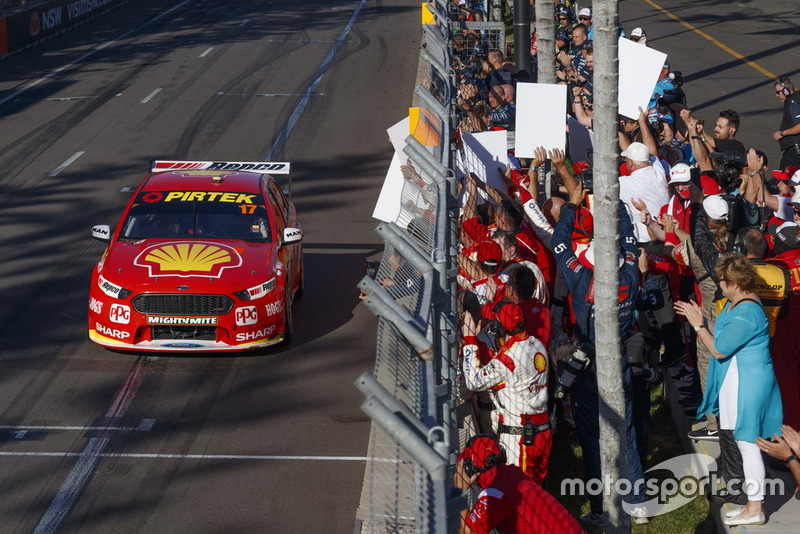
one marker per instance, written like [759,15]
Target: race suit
[580,281]
[516,377]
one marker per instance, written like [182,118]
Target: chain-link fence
[411,395]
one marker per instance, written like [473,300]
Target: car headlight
[256,292]
[111,289]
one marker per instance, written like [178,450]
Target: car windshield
[197,215]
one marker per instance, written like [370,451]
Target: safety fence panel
[408,479]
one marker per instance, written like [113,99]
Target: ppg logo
[247,315]
[120,313]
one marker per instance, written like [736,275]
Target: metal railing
[418,420]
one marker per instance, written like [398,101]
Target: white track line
[284,134]
[67,163]
[88,459]
[208,51]
[151,95]
[146,424]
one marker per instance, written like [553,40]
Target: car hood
[195,265]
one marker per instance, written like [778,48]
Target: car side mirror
[102,232]
[292,235]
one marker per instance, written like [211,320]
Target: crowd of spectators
[709,266]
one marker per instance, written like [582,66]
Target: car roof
[202,180]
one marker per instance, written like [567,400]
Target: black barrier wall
[49,19]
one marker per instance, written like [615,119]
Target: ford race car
[207,256]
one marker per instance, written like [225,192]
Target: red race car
[207,256]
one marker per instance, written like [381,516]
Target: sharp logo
[181,321]
[111,332]
[120,313]
[258,334]
[246,316]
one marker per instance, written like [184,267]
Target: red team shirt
[513,503]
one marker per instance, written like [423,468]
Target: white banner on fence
[387,209]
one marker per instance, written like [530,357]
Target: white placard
[639,69]
[387,209]
[398,134]
[484,153]
[541,118]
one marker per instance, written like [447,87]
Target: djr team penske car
[207,256]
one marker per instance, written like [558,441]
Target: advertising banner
[48,19]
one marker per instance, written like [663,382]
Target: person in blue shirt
[740,386]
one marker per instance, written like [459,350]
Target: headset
[496,327]
[785,83]
[738,245]
[470,469]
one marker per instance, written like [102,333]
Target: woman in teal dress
[740,385]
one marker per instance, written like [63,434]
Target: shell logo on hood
[187,259]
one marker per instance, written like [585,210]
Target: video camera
[729,165]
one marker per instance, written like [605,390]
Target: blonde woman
[751,407]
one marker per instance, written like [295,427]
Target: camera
[635,350]
[577,363]
[729,165]
[588,180]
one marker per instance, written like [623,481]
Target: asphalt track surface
[96,441]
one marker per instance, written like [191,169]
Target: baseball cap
[585,12]
[709,185]
[489,253]
[716,207]
[790,174]
[479,451]
[680,173]
[787,238]
[638,33]
[637,152]
[511,316]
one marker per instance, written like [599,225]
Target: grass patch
[566,462]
